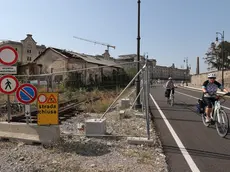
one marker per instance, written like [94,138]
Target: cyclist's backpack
[200,106]
[166,93]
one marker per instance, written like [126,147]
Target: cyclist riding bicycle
[169,87]
[209,89]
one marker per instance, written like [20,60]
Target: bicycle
[170,100]
[218,116]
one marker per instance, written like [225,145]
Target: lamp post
[138,102]
[222,52]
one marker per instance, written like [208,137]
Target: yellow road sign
[47,109]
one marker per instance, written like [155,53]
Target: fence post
[147,100]
[143,92]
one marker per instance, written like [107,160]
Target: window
[28,58]
[28,51]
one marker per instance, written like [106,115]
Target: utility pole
[138,102]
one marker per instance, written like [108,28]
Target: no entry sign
[8,55]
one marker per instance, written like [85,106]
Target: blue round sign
[26,93]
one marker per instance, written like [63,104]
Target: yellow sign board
[47,109]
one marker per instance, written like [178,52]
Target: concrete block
[95,127]
[30,132]
[122,114]
[139,141]
[125,103]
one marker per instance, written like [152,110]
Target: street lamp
[222,52]
[138,102]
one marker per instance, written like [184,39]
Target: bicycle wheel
[203,116]
[172,101]
[222,125]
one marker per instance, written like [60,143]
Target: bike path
[208,150]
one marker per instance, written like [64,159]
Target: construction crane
[95,42]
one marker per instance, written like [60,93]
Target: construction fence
[70,84]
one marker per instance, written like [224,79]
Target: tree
[214,56]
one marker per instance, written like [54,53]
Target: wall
[197,80]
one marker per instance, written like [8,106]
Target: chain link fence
[74,84]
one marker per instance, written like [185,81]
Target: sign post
[27,113]
[8,83]
[8,108]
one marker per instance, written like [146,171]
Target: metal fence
[109,86]
[70,84]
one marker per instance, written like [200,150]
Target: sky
[171,30]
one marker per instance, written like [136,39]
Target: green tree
[131,72]
[214,56]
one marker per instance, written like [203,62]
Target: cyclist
[169,87]
[209,89]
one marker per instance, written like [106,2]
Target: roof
[128,56]
[88,58]
[10,42]
[20,43]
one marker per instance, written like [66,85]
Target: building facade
[155,71]
[27,48]
[129,65]
[164,72]
[58,61]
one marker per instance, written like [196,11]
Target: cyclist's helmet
[212,75]
[170,78]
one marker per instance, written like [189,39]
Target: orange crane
[95,42]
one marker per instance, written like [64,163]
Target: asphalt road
[208,151]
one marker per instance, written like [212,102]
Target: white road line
[195,90]
[197,98]
[184,152]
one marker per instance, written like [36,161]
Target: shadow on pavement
[175,108]
[196,152]
[177,119]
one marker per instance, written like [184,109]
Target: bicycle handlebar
[219,95]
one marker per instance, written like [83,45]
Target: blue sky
[170,29]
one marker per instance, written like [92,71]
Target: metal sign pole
[8,107]
[27,113]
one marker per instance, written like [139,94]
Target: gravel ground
[77,153]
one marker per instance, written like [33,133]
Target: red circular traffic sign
[8,84]
[8,55]
[42,98]
[26,93]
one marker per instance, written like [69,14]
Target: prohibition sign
[8,84]
[8,55]
[26,93]
[42,98]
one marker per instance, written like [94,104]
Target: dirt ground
[77,153]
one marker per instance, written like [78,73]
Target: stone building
[27,48]
[58,61]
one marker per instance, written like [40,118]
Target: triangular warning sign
[51,99]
